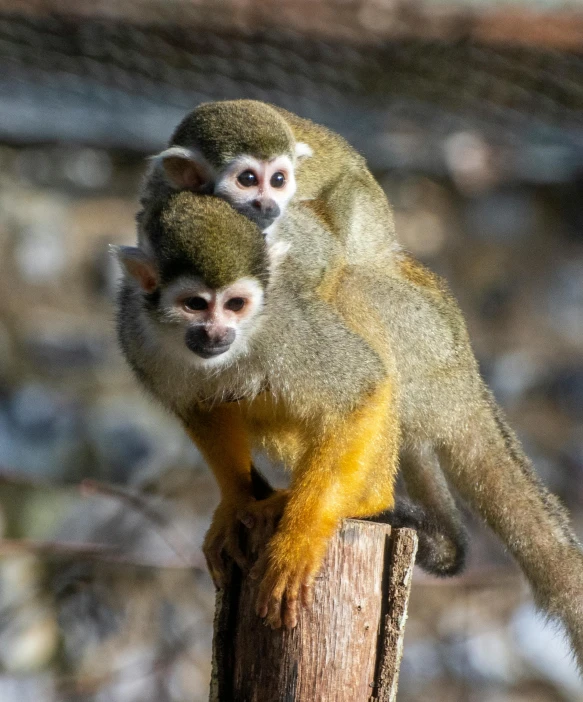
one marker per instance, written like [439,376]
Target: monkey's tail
[442,546]
[485,462]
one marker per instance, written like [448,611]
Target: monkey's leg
[348,470]
[432,512]
[486,464]
[221,437]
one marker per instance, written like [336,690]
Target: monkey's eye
[195,304]
[277,180]
[235,304]
[247,179]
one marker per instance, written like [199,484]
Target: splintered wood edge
[402,559]
[218,628]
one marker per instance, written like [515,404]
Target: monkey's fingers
[269,600]
[273,618]
[278,600]
[300,592]
[258,569]
[291,604]
[284,601]
[262,519]
[265,588]
[307,590]
[214,557]
[223,538]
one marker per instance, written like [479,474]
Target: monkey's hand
[287,569]
[262,517]
[223,537]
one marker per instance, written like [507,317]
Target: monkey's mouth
[210,351]
[206,350]
[263,221]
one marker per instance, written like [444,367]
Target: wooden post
[347,648]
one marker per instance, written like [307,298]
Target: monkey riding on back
[294,341]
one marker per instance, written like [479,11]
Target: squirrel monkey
[226,331]
[449,425]
[229,334]
[231,337]
[259,157]
[262,160]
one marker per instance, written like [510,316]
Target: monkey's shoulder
[309,347]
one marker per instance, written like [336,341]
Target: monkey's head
[240,150]
[202,279]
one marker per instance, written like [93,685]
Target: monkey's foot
[261,519]
[223,538]
[287,580]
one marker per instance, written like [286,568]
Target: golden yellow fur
[341,466]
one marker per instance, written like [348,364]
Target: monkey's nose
[262,212]
[222,335]
[209,343]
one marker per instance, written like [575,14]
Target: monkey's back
[332,156]
[415,316]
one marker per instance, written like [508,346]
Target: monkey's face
[259,190]
[201,324]
[215,324]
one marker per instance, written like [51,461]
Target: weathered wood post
[347,648]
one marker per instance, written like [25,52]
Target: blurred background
[470,114]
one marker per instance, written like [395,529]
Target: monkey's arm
[347,470]
[221,436]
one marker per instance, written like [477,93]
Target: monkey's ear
[303,150]
[138,265]
[184,168]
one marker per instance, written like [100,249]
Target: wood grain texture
[403,551]
[338,651]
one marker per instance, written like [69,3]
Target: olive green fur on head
[204,236]
[224,130]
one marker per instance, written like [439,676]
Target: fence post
[347,648]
